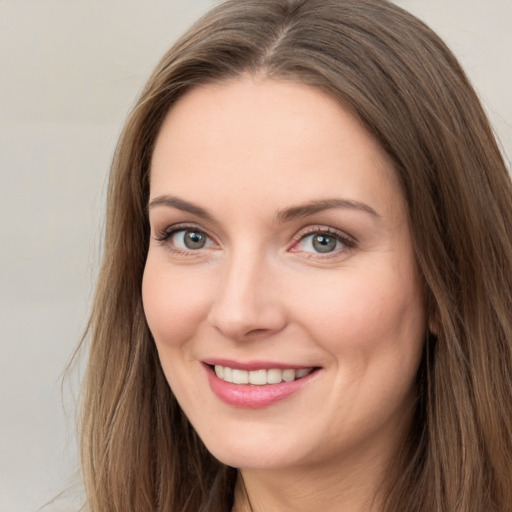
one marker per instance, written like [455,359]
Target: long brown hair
[139,452]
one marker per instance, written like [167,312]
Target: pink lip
[249,396]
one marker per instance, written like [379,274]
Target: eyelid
[164,233]
[321,228]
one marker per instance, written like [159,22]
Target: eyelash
[346,241]
[165,234]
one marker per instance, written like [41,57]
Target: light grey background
[69,72]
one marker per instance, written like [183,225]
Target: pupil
[194,240]
[323,243]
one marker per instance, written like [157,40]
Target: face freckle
[259,168]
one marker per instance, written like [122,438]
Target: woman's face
[281,254]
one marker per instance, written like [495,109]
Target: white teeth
[259,377]
[288,375]
[240,376]
[274,376]
[302,372]
[228,374]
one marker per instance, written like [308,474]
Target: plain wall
[69,72]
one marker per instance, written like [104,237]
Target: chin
[252,451]
[252,458]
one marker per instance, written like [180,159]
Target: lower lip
[250,396]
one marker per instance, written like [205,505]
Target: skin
[245,150]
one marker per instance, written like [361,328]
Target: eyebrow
[303,210]
[180,204]
[284,215]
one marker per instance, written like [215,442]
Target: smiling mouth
[257,384]
[260,377]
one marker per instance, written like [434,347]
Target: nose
[247,302]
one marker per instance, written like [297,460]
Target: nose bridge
[244,302]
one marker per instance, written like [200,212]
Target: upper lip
[254,365]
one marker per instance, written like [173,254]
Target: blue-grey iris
[194,239]
[323,243]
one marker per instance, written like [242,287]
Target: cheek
[368,319]
[373,330]
[174,305]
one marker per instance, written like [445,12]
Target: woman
[306,289]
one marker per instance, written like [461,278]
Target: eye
[320,242]
[186,239]
[323,241]
[190,239]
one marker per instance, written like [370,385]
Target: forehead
[267,140]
